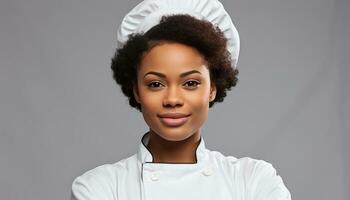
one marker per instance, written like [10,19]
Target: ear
[212,91]
[136,93]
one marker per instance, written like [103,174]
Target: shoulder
[259,178]
[99,182]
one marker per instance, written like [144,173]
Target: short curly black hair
[208,39]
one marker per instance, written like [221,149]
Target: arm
[96,184]
[263,183]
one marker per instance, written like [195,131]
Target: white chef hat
[149,12]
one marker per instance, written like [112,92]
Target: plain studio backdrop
[61,113]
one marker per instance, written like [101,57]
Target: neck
[165,151]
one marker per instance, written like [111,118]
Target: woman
[173,71]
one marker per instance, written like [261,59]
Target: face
[174,78]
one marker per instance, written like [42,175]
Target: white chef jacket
[213,177]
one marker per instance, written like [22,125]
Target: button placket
[207,171]
[154,176]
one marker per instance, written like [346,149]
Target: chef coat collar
[145,156]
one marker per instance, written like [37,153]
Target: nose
[173,97]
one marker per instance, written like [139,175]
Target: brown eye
[154,84]
[192,84]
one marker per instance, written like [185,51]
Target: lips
[173,119]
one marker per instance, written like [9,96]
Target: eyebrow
[164,76]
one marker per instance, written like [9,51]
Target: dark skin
[165,151]
[181,84]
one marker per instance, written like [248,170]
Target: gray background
[61,113]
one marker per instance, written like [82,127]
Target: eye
[192,83]
[156,84]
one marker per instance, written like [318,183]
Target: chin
[174,135]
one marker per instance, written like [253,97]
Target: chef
[175,59]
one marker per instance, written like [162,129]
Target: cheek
[199,99]
[199,104]
[150,105]
[148,100]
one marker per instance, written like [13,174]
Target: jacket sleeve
[96,184]
[263,183]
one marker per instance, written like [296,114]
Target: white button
[154,176]
[207,172]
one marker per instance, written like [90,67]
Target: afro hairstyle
[202,35]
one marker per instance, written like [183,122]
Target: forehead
[172,57]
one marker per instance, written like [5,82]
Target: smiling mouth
[174,122]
